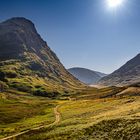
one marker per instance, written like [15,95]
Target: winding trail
[57,115]
[57,120]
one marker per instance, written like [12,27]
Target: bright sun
[114,3]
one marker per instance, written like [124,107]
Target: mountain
[85,75]
[126,75]
[28,64]
[101,74]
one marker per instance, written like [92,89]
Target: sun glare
[114,3]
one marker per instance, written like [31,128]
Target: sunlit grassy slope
[20,111]
[98,119]
[90,114]
[23,76]
[95,119]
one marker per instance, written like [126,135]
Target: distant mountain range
[126,75]
[28,64]
[85,75]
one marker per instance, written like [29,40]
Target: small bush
[2,76]
[3,86]
[10,74]
[45,93]
[21,86]
[7,74]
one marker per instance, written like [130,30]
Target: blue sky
[83,33]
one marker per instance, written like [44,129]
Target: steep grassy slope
[128,74]
[28,64]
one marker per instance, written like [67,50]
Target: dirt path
[57,115]
[57,120]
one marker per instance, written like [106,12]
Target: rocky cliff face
[17,36]
[26,59]
[127,74]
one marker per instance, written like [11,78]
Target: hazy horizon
[83,33]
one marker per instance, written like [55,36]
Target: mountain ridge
[34,65]
[86,75]
[128,74]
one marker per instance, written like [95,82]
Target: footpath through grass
[94,119]
[91,115]
[20,112]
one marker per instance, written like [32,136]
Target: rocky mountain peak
[27,56]
[19,21]
[17,36]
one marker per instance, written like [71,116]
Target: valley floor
[38,118]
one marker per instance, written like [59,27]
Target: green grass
[20,111]
[110,118]
[94,93]
[105,117]
[37,77]
[115,129]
